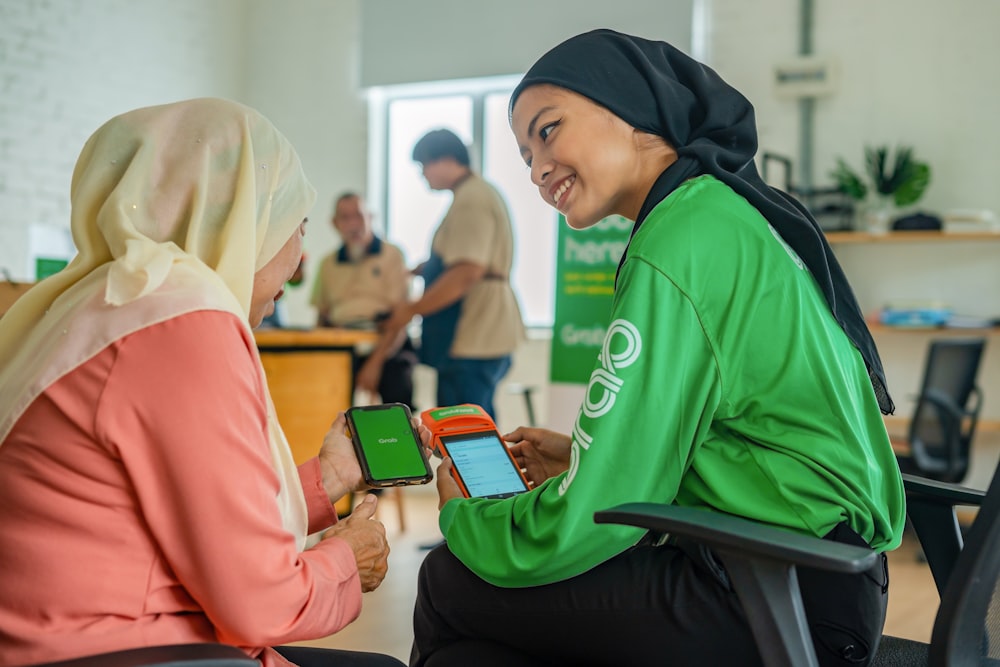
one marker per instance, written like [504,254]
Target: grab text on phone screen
[388,442]
[482,461]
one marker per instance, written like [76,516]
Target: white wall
[917,72]
[303,70]
[406,42]
[69,65]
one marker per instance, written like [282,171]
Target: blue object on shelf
[915,317]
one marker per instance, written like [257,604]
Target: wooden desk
[310,378]
[10,292]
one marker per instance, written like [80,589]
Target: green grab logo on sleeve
[586,264]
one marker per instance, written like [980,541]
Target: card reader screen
[483,463]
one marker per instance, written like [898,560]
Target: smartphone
[387,445]
[483,466]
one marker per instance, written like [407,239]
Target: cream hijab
[174,208]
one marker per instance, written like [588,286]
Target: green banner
[47,266]
[585,279]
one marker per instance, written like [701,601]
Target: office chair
[174,655]
[947,409]
[761,562]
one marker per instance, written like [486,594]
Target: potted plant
[901,184]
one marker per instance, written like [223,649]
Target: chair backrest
[940,430]
[967,627]
[171,655]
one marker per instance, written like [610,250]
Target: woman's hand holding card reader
[387,446]
[482,466]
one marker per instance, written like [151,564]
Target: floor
[385,622]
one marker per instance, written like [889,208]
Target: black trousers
[305,656]
[396,384]
[652,605]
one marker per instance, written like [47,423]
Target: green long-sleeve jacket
[724,382]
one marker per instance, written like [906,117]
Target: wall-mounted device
[805,76]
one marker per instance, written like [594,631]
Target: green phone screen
[386,437]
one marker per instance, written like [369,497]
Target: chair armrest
[931,507]
[950,410]
[173,655]
[941,492]
[760,561]
[732,533]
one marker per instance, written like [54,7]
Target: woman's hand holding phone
[342,473]
[366,537]
[541,453]
[338,462]
[425,435]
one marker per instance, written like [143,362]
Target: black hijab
[656,88]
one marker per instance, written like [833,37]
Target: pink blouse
[137,508]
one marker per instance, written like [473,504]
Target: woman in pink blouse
[147,494]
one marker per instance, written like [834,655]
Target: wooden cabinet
[309,375]
[310,378]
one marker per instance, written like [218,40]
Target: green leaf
[901,168]
[905,179]
[848,181]
[875,162]
[911,189]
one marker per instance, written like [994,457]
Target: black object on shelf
[831,206]
[917,222]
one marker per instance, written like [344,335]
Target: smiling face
[587,162]
[269,281]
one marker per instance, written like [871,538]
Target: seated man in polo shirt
[359,284]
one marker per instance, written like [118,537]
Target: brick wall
[66,66]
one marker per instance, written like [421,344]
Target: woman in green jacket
[737,375]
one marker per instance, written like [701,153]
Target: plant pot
[877,214]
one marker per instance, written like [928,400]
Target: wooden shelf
[897,425]
[918,237]
[876,328]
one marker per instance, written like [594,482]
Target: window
[475,110]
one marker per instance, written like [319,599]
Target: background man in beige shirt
[471,319]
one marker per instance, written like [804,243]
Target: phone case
[362,455]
